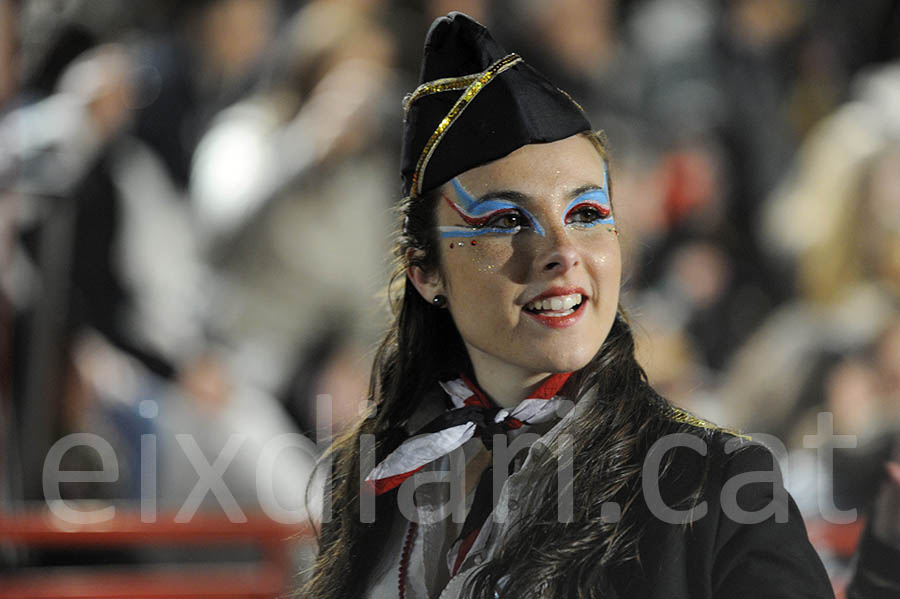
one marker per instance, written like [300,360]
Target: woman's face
[530,259]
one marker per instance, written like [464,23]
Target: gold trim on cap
[439,85]
[475,83]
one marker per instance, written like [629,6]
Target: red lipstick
[556,321]
[557,291]
[559,322]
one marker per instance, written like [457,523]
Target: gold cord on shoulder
[475,83]
[679,415]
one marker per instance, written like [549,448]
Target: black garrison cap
[476,103]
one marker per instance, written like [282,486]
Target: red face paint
[473,221]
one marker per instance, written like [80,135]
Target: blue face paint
[476,213]
[475,232]
[598,199]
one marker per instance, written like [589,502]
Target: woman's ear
[427,283]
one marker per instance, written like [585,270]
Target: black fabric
[519,107]
[716,557]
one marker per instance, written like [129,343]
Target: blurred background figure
[199,58]
[291,195]
[830,347]
[9,53]
[195,200]
[106,278]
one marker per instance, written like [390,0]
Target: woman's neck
[504,383]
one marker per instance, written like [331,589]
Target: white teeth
[556,304]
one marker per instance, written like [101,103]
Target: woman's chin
[568,359]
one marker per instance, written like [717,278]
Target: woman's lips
[558,292]
[559,322]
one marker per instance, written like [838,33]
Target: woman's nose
[559,253]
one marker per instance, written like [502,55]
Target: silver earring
[439,301]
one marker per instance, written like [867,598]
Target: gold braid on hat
[472,84]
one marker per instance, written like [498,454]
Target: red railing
[268,578]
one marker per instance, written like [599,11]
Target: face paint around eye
[478,221]
[596,199]
[476,213]
[451,231]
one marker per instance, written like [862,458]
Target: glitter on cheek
[490,254]
[599,248]
[607,258]
[482,265]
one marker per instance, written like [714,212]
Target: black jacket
[725,554]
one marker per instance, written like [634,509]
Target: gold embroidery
[478,82]
[438,85]
[679,415]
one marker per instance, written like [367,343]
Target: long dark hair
[613,433]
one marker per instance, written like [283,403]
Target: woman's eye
[588,214]
[506,220]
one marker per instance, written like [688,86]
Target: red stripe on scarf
[546,390]
[383,485]
[551,386]
[464,548]
[478,398]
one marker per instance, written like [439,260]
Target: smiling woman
[537,295]
[515,448]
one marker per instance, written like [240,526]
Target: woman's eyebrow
[585,189]
[505,194]
[521,198]
[470,202]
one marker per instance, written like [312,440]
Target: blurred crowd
[196,209]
